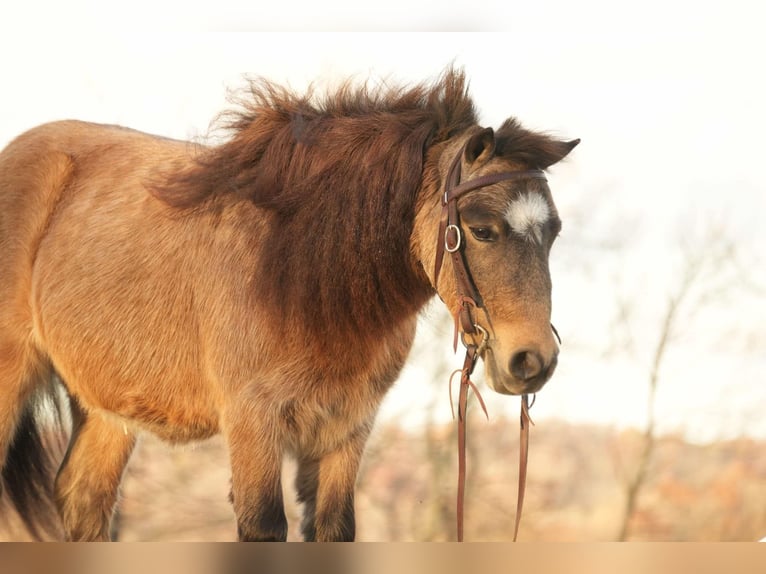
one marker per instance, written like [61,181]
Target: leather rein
[450,240]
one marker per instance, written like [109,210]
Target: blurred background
[653,427]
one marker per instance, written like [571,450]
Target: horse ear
[569,146]
[481,146]
[556,152]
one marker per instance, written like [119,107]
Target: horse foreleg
[256,468]
[89,478]
[306,482]
[326,488]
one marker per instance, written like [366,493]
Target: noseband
[450,240]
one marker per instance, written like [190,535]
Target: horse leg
[306,482]
[325,485]
[256,468]
[89,478]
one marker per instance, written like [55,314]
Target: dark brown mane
[283,145]
[340,176]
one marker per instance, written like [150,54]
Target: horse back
[37,170]
[38,167]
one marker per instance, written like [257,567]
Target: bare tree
[669,322]
[709,273]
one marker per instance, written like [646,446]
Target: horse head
[494,218]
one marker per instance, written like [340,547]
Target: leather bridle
[450,240]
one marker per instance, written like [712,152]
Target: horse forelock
[338,176]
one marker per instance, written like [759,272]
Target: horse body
[187,291]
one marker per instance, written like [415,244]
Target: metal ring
[484,339]
[459,238]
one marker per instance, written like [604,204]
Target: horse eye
[483,233]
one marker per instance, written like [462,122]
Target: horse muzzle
[527,370]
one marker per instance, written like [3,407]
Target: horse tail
[33,459]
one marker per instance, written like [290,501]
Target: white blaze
[527,214]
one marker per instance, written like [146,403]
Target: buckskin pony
[266,288]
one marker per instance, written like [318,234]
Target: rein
[450,240]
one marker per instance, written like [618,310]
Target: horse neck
[350,273]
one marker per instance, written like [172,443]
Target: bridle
[450,240]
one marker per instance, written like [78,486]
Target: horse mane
[283,146]
[339,176]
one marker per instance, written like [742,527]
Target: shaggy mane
[340,176]
[283,146]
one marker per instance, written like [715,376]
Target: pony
[266,287]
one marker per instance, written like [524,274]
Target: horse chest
[323,408]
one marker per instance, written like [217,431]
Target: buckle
[458,238]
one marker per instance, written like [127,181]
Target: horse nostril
[526,365]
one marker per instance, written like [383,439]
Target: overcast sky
[668,100]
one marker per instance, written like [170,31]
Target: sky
[666,97]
